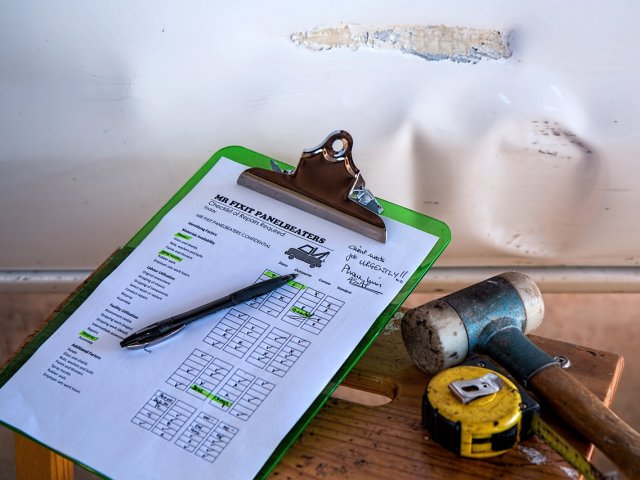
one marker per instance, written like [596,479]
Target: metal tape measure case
[487,425]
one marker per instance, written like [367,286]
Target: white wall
[106,108]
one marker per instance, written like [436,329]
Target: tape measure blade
[566,451]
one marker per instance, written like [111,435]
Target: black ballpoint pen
[163,329]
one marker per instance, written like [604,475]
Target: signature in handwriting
[364,283]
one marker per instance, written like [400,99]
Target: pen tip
[131,345]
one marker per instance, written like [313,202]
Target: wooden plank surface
[33,461]
[351,440]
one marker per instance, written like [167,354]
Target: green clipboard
[248,158]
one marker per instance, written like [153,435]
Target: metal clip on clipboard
[326,183]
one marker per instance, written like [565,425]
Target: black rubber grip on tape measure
[442,430]
[504,440]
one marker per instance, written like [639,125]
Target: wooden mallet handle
[581,409]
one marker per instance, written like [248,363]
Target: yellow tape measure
[489,424]
[476,411]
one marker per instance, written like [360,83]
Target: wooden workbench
[360,440]
[351,440]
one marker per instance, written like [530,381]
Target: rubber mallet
[492,317]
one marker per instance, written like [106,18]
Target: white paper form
[217,398]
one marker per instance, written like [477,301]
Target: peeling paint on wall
[430,42]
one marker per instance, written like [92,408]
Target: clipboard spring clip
[359,193]
[327,184]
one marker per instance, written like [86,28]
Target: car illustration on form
[308,254]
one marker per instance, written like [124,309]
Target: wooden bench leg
[35,461]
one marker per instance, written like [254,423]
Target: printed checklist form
[218,398]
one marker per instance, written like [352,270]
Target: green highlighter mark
[300,311]
[170,255]
[292,283]
[211,396]
[184,236]
[88,336]
[295,284]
